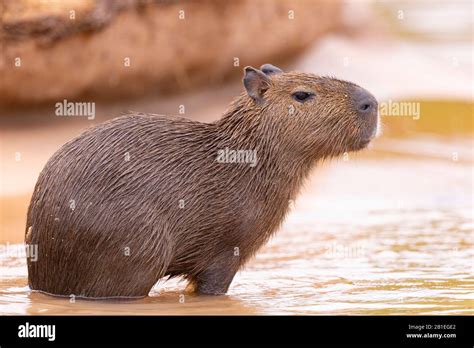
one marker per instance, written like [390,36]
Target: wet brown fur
[230,209]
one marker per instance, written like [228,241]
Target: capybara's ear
[269,69]
[256,83]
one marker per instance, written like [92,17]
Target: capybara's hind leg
[132,284]
[132,277]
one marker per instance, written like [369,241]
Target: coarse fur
[142,197]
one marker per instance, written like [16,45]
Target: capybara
[144,196]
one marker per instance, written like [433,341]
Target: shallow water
[388,232]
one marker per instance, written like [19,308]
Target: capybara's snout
[366,108]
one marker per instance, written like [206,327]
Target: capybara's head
[326,116]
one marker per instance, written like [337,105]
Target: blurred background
[385,231]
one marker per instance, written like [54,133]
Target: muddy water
[388,232]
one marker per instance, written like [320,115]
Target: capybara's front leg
[215,280]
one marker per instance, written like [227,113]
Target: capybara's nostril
[365,103]
[365,106]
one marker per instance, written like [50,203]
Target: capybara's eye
[302,96]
